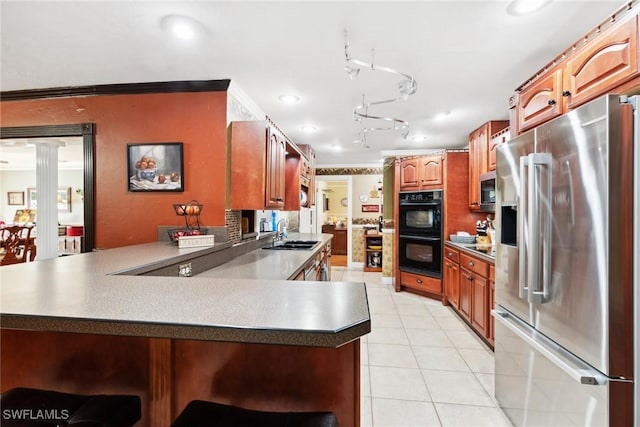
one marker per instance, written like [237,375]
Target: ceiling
[467,58]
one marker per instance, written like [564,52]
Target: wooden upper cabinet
[409,179]
[257,152]
[430,172]
[495,140]
[276,152]
[604,63]
[540,102]
[478,157]
[248,152]
[421,173]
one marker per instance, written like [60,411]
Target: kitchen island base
[169,373]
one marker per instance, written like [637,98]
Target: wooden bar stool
[199,413]
[29,407]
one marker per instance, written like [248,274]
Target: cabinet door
[275,170]
[451,278]
[497,139]
[477,164]
[430,172]
[479,303]
[540,102]
[340,242]
[492,299]
[409,179]
[466,277]
[604,63]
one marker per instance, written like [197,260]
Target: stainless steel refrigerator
[565,324]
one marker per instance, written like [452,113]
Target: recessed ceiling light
[336,147]
[181,27]
[442,115]
[523,7]
[289,99]
[417,138]
[308,128]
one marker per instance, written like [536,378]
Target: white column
[47,190]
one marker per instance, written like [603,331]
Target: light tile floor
[421,364]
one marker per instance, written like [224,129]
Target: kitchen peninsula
[99,323]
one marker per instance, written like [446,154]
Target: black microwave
[488,192]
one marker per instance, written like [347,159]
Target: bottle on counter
[274,221]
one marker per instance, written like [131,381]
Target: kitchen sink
[294,245]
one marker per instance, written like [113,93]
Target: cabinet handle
[551,102]
[471,263]
[566,93]
[419,281]
[470,279]
[450,254]
[279,199]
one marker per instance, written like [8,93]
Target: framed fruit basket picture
[155,167]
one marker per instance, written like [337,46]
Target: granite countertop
[266,264]
[82,294]
[480,250]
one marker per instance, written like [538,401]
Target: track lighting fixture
[406,87]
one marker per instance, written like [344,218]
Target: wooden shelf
[372,257]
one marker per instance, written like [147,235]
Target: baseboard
[356,265]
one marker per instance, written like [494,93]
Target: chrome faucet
[280,234]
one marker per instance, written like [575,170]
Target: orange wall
[198,120]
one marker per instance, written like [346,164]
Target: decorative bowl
[147,174]
[462,239]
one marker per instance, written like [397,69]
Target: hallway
[421,364]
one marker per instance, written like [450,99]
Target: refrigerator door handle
[574,367]
[539,227]
[522,238]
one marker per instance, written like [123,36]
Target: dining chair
[17,244]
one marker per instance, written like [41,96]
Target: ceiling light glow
[442,115]
[417,138]
[289,99]
[523,7]
[181,27]
[308,128]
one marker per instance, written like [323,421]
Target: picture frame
[15,198]
[63,199]
[157,166]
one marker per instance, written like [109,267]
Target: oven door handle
[423,238]
[420,204]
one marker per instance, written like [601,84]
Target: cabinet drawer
[417,281]
[492,272]
[452,254]
[474,264]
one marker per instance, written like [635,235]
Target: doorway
[81,137]
[333,213]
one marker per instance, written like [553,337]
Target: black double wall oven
[420,226]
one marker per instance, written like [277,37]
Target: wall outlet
[185,270]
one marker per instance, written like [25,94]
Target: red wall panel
[198,120]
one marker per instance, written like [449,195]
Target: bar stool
[29,407]
[199,413]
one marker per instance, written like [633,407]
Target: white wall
[21,180]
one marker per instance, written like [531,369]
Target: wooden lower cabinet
[469,288]
[465,294]
[451,277]
[420,283]
[492,302]
[339,238]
